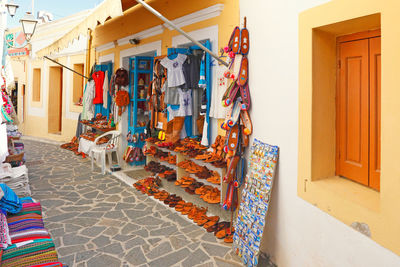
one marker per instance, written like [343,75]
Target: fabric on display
[88,96]
[185,103]
[171,94]
[175,72]
[40,251]
[15,178]
[105,90]
[3,137]
[216,109]
[5,239]
[10,201]
[98,78]
[191,71]
[79,126]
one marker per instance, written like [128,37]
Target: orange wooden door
[375,112]
[353,111]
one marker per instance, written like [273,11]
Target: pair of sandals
[134,138]
[238,48]
[222,230]
[236,114]
[239,43]
[133,154]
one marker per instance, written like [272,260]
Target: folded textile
[30,253]
[29,234]
[5,238]
[10,201]
[25,225]
[26,200]
[51,264]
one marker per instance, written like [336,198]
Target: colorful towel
[10,201]
[30,253]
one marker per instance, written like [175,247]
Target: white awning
[106,10]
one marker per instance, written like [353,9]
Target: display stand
[255,202]
[181,172]
[140,77]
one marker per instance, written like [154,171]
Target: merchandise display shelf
[181,172]
[152,158]
[213,209]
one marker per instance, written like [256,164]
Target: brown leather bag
[122,100]
[121,77]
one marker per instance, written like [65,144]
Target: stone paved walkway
[97,220]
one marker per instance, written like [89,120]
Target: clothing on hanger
[191,71]
[88,96]
[216,109]
[105,90]
[175,72]
[98,78]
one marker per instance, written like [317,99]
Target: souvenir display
[255,200]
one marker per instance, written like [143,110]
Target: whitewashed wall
[298,234]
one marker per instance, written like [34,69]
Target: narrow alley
[97,220]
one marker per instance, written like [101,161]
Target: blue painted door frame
[134,71]
[172,53]
[98,108]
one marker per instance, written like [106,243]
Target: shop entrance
[55,100]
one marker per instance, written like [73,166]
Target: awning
[106,10]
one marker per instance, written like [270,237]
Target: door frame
[339,40]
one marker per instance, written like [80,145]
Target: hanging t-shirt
[191,71]
[175,72]
[98,78]
[185,103]
[216,109]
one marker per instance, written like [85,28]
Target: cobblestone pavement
[97,220]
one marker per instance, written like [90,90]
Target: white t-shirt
[175,72]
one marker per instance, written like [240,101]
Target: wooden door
[353,111]
[375,112]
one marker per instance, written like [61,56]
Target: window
[358,108]
[77,83]
[36,85]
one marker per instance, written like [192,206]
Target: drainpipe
[88,51]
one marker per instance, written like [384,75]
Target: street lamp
[28,25]
[12,8]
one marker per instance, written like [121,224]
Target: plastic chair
[106,149]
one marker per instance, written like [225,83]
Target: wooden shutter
[353,111]
[375,112]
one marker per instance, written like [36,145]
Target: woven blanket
[25,225]
[30,234]
[36,252]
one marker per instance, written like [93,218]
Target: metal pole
[62,65]
[155,12]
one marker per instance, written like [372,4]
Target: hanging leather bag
[122,100]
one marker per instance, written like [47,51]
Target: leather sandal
[244,41]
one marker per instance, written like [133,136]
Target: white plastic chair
[106,149]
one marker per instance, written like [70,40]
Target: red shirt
[98,78]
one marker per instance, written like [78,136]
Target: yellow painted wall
[346,200]
[39,125]
[138,19]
